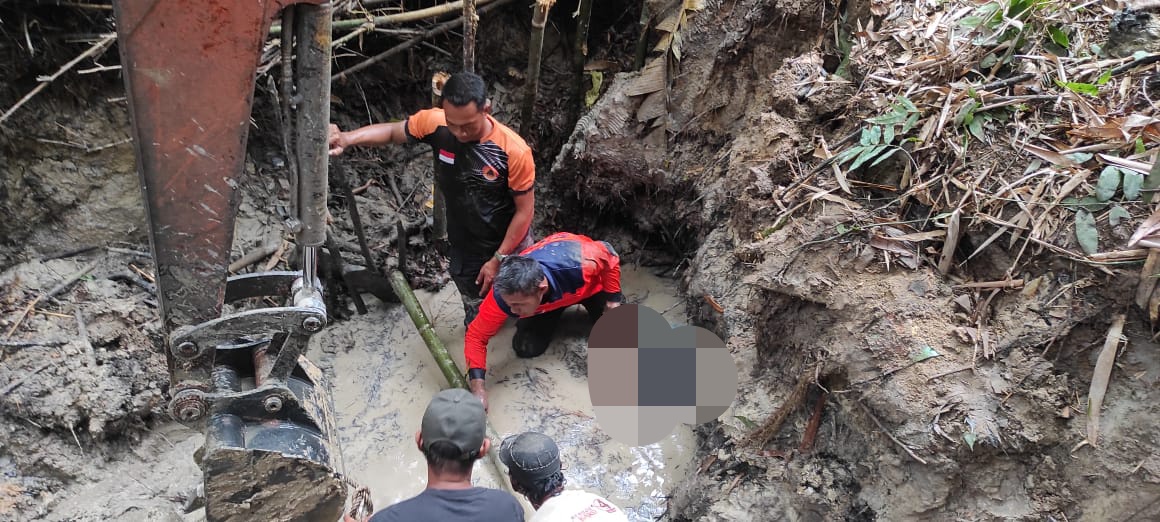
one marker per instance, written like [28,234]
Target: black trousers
[534,334]
[464,268]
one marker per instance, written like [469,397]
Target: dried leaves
[1007,115]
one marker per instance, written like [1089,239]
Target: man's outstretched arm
[487,322]
[376,135]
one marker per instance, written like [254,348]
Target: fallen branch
[398,18]
[1101,375]
[29,344]
[946,373]
[1010,283]
[254,256]
[815,422]
[887,432]
[96,48]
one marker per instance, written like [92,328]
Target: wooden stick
[887,432]
[1010,283]
[1148,279]
[1121,255]
[18,382]
[434,31]
[394,19]
[948,252]
[814,424]
[100,46]
[52,293]
[951,372]
[29,344]
[1101,375]
[254,256]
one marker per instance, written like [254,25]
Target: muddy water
[384,377]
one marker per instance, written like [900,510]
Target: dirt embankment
[940,401]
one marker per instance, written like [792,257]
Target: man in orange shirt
[536,286]
[486,173]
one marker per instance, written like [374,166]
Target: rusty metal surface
[189,73]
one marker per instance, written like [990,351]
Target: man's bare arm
[376,135]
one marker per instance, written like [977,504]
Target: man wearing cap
[536,286]
[452,438]
[533,462]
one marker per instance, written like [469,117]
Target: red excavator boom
[190,68]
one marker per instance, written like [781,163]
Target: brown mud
[960,434]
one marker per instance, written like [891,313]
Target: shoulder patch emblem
[489,173]
[446,157]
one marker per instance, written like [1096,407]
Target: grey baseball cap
[456,416]
[530,456]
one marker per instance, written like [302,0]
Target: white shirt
[578,506]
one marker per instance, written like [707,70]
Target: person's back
[452,505]
[452,438]
[575,505]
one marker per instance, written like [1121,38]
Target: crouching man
[536,286]
[533,462]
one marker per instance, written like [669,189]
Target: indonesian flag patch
[446,157]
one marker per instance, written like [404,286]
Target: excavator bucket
[189,69]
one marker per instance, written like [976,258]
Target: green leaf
[970,22]
[593,93]
[849,153]
[1089,203]
[1081,88]
[976,128]
[867,155]
[1081,157]
[1132,182]
[1104,77]
[907,103]
[1108,183]
[1140,145]
[888,154]
[888,119]
[926,352]
[745,420]
[1086,233]
[1059,37]
[989,61]
[1118,214]
[910,122]
[875,135]
[867,135]
[970,439]
[887,134]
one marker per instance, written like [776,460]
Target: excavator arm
[241,377]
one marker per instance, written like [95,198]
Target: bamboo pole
[439,203]
[445,362]
[434,31]
[397,18]
[535,52]
[470,25]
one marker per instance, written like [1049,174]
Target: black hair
[446,458]
[463,88]
[540,490]
[518,275]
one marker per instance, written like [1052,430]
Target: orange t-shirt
[479,180]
